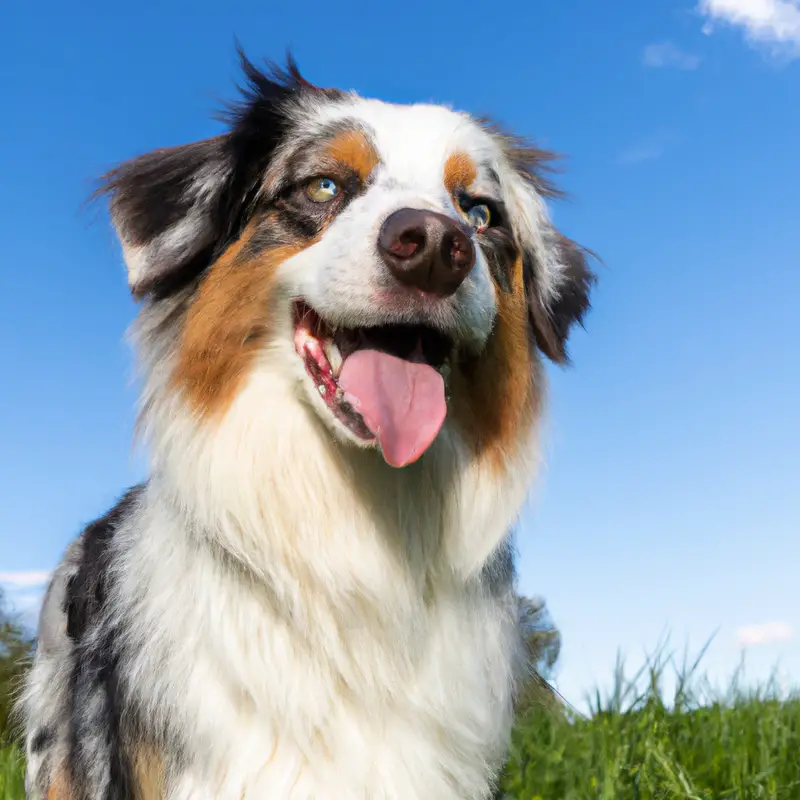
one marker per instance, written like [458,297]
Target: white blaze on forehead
[415,141]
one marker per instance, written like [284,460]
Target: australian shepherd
[344,306]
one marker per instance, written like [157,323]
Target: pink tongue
[402,402]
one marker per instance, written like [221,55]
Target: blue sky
[670,497]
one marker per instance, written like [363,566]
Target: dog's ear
[176,209]
[165,206]
[557,276]
[560,300]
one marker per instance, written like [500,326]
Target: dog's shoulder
[86,590]
[73,607]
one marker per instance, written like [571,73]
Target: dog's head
[398,259]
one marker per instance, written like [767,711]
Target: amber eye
[321,190]
[480,217]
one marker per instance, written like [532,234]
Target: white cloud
[639,153]
[24,580]
[765,633]
[649,149]
[771,22]
[666,54]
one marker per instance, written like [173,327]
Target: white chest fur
[323,626]
[301,691]
[423,724]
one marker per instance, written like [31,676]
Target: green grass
[12,781]
[637,745]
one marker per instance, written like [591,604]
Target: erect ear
[165,206]
[558,294]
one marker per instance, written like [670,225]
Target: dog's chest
[423,714]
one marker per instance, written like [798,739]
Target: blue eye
[321,190]
[480,217]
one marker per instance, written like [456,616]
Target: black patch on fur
[552,323]
[156,191]
[500,252]
[41,740]
[96,733]
[303,222]
[86,589]
[499,572]
[270,232]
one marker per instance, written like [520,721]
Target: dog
[344,310]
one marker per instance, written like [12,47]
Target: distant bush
[16,648]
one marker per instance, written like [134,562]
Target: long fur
[277,612]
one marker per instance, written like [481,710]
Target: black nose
[426,250]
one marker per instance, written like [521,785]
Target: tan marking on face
[460,172]
[354,149]
[227,324]
[496,396]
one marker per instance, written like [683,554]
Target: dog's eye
[321,190]
[480,217]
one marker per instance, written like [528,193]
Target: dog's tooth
[301,340]
[334,356]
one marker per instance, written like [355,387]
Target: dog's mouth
[383,384]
